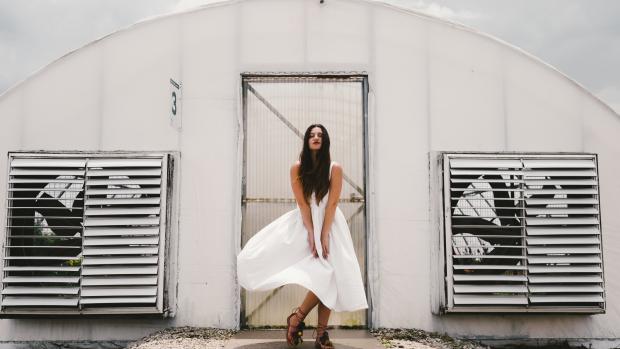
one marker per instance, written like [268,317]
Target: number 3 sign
[175,104]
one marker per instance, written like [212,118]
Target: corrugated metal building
[480,181]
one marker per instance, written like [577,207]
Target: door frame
[241,163]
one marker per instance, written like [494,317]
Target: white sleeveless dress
[279,254]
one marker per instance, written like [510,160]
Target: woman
[310,246]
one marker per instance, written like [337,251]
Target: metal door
[277,111]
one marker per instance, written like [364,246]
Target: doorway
[276,112]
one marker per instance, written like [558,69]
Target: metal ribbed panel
[563,230]
[524,232]
[120,270]
[282,108]
[565,269]
[489,278]
[563,259]
[47,301]
[41,279]
[124,200]
[102,291]
[556,200]
[565,279]
[562,241]
[565,250]
[122,181]
[560,211]
[37,268]
[111,301]
[43,242]
[21,290]
[486,242]
[115,220]
[123,173]
[122,250]
[50,257]
[565,289]
[476,172]
[113,280]
[130,240]
[122,211]
[55,163]
[558,163]
[121,231]
[131,163]
[490,289]
[486,299]
[110,260]
[558,174]
[577,298]
[494,164]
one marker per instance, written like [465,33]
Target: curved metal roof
[411,12]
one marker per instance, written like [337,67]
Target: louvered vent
[523,233]
[563,232]
[85,234]
[121,232]
[44,233]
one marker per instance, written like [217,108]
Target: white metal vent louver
[85,234]
[44,232]
[522,233]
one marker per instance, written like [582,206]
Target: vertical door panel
[277,112]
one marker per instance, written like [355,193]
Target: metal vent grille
[121,232]
[562,228]
[44,233]
[523,233]
[84,234]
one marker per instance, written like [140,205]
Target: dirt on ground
[418,339]
[392,338]
[184,338]
[214,338]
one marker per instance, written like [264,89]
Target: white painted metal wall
[434,86]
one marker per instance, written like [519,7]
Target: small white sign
[175,104]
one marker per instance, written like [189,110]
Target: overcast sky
[581,38]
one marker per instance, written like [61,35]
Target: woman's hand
[325,244]
[312,245]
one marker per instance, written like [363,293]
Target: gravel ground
[185,338]
[214,338]
[418,339]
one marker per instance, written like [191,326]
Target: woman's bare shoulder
[295,166]
[336,166]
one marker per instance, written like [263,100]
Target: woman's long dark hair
[314,177]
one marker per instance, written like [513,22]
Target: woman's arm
[335,186]
[304,208]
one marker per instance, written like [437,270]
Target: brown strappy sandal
[294,334]
[323,341]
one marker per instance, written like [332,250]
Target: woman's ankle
[320,329]
[298,317]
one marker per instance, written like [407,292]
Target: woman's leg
[324,313]
[294,333]
[306,306]
[309,302]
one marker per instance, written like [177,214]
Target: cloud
[438,10]
[579,38]
[34,33]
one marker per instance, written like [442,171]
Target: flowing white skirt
[279,254]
